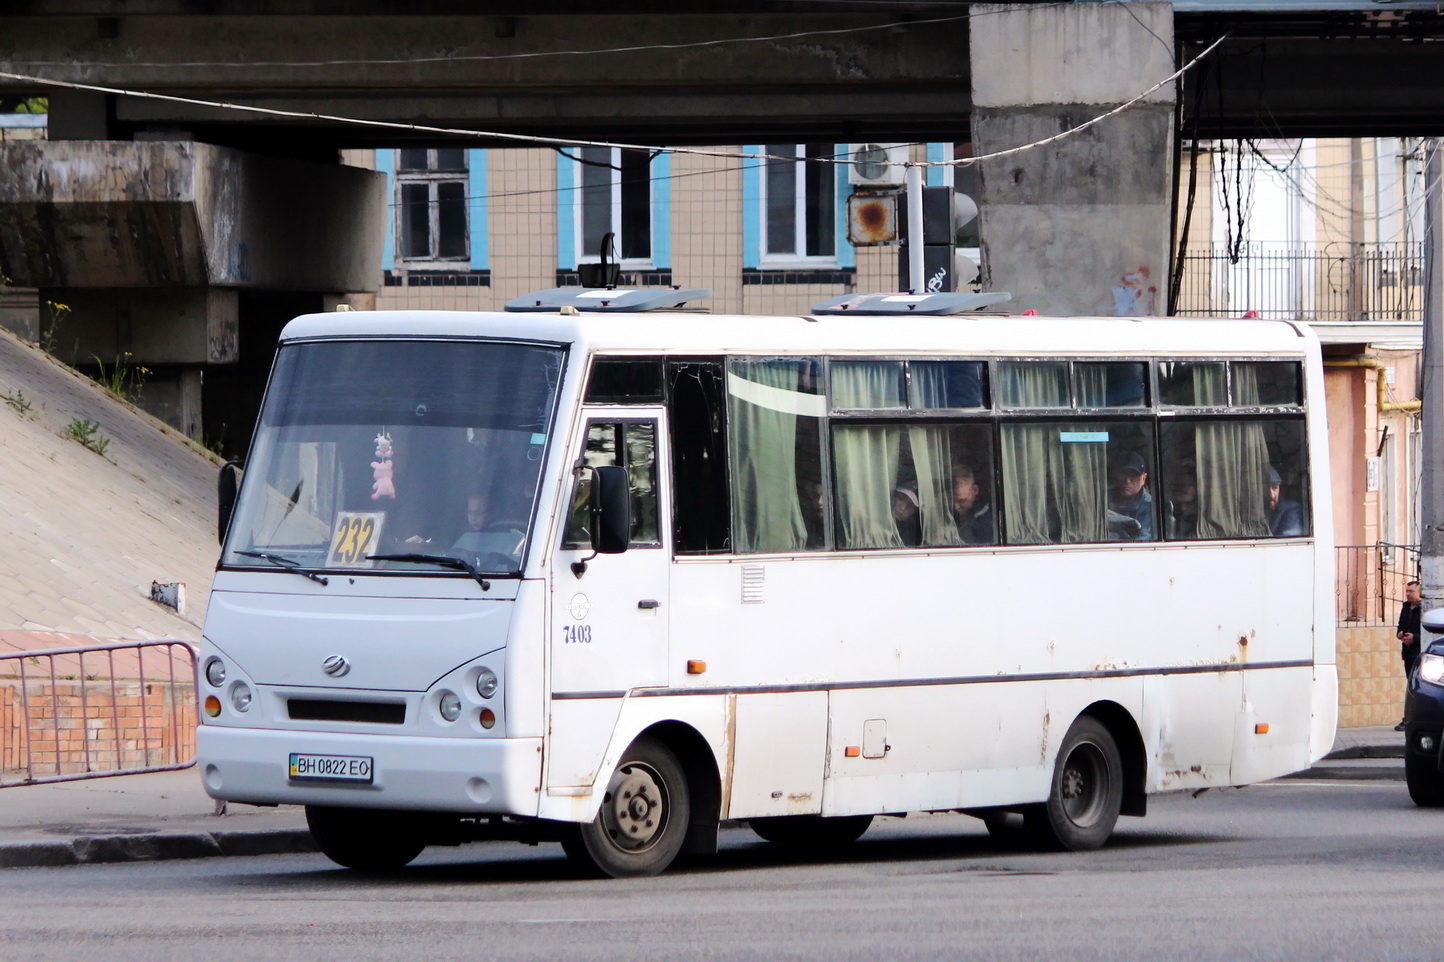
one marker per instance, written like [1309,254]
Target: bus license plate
[331,768]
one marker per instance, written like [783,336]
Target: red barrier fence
[100,710]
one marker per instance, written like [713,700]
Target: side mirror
[611,510]
[227,484]
[1433,620]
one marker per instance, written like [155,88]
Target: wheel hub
[634,811]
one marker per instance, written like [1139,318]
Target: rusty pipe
[1364,361]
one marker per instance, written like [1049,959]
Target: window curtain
[1233,460]
[932,448]
[765,404]
[866,385]
[1034,384]
[867,460]
[1056,490]
[1091,381]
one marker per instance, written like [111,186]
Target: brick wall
[99,727]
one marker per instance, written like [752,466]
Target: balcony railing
[1369,582]
[1314,282]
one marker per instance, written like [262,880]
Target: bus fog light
[488,718]
[216,672]
[486,683]
[213,706]
[449,706]
[241,696]
[1431,668]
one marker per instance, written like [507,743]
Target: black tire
[1086,793]
[811,831]
[1426,783]
[643,819]
[364,839]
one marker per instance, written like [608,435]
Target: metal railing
[91,712]
[1319,282]
[1369,582]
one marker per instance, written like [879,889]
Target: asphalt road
[1289,870]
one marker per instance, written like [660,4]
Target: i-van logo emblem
[335,665]
[579,606]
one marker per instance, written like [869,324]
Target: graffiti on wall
[1133,296]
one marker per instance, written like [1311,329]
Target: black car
[1424,719]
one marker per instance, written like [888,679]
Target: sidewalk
[167,815]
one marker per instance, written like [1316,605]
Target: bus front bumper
[495,776]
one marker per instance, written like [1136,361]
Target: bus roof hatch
[946,302]
[607,299]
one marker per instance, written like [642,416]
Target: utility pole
[1431,487]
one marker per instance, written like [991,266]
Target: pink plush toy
[381,470]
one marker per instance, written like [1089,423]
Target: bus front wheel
[364,839]
[643,819]
[1087,791]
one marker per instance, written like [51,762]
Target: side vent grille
[753,583]
[374,712]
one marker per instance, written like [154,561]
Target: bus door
[609,625]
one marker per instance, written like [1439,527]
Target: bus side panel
[1271,736]
[1188,729]
[525,663]
[937,747]
[595,733]
[780,743]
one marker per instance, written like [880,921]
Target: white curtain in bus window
[867,457]
[1055,482]
[867,385]
[946,384]
[933,460]
[1033,384]
[1109,384]
[773,407]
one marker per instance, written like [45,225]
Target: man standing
[1408,633]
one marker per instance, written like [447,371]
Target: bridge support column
[1080,225]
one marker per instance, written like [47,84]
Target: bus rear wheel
[811,831]
[364,839]
[643,819]
[1086,794]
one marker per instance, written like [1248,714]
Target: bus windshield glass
[429,449]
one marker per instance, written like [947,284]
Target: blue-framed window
[437,214]
[794,209]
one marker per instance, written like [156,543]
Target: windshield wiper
[288,564]
[445,560]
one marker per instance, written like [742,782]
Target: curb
[96,850]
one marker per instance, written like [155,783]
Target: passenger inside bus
[906,515]
[1286,517]
[971,511]
[1182,488]
[1130,505]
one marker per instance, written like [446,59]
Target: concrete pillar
[1081,225]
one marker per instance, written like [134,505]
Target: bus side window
[775,412]
[629,444]
[1220,478]
[696,421]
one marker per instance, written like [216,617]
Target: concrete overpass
[182,229]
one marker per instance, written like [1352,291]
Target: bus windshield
[429,449]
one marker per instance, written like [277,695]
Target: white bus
[612,579]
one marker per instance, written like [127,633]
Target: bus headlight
[241,696]
[1431,668]
[216,672]
[486,683]
[449,705]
